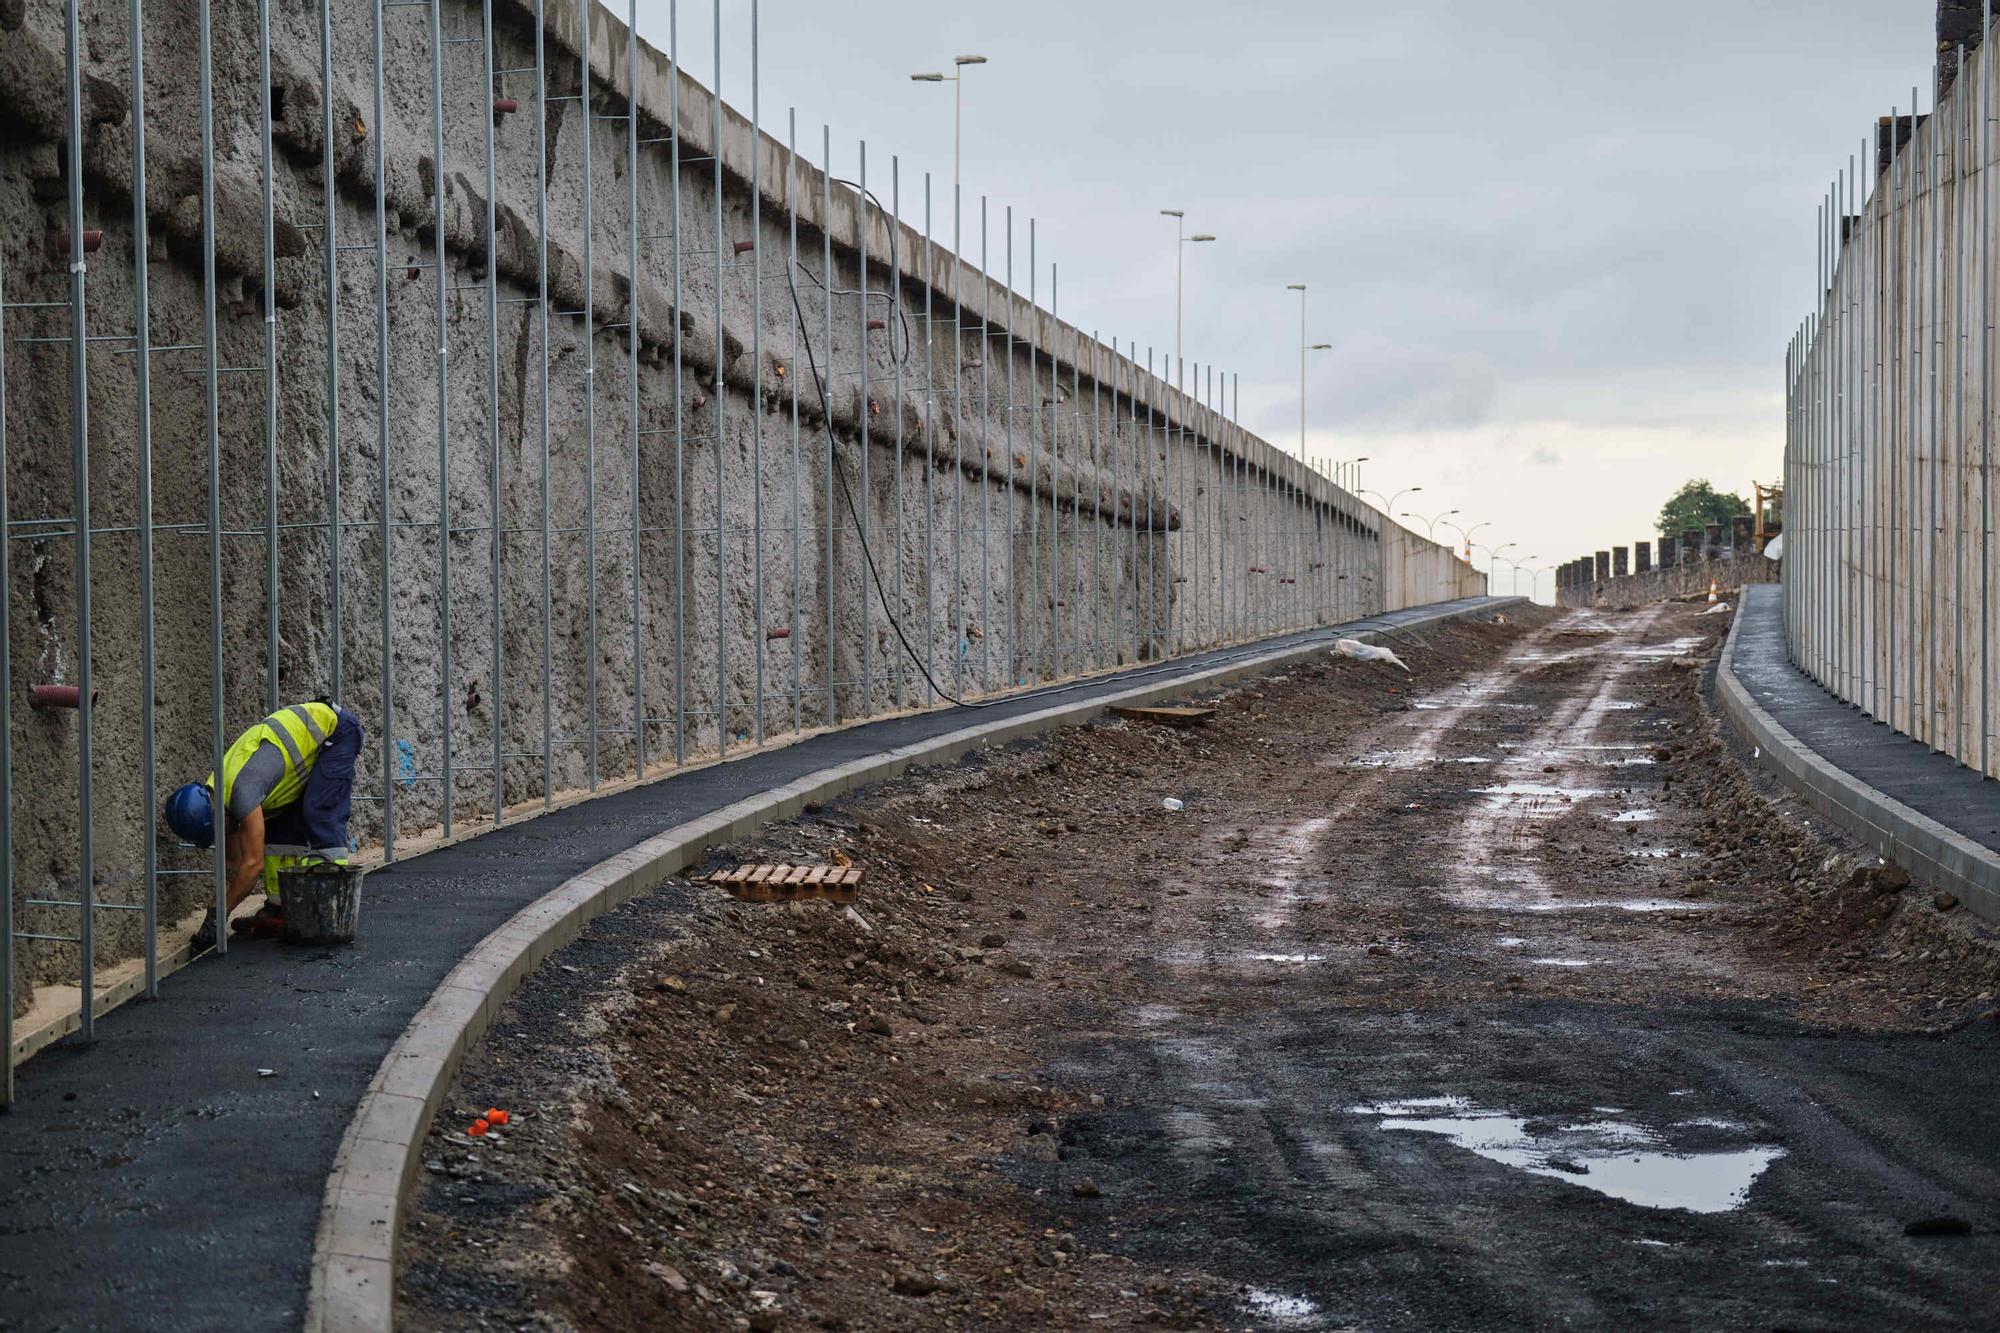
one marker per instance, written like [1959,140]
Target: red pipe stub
[875,325]
[779,632]
[505,106]
[91,240]
[745,247]
[58,696]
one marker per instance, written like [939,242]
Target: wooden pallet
[783,884]
[1172,717]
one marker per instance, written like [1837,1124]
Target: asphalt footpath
[169,1174]
[1873,753]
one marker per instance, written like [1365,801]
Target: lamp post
[1431,524]
[1465,535]
[1341,475]
[1492,557]
[1300,288]
[957,103]
[1389,505]
[1181,242]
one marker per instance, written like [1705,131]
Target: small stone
[1014,967]
[1038,1148]
[669,1275]
[669,985]
[1944,902]
[1378,951]
[1938,1226]
[1017,915]
[1890,878]
[1086,1189]
[878,1025]
[992,941]
[910,1282]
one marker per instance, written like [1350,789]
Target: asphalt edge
[1895,832]
[352,1287]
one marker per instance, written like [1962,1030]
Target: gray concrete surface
[148,1173]
[1935,817]
[1171,524]
[1659,583]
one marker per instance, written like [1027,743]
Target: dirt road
[1491,996]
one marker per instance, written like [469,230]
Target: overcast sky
[1557,245]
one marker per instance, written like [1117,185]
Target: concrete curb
[353,1268]
[1915,841]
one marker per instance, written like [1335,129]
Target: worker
[287,783]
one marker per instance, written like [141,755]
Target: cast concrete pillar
[1740,530]
[1603,565]
[1667,555]
[1642,557]
[1690,545]
[1712,548]
[1620,563]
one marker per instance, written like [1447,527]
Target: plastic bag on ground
[1367,652]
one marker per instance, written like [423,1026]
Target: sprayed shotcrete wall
[564,528]
[1890,558]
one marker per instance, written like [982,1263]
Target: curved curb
[1894,831]
[354,1251]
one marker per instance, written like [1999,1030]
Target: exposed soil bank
[1495,995]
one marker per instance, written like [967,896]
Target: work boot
[267,924]
[204,936]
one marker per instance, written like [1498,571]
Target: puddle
[1510,941]
[1287,957]
[1621,705]
[1622,904]
[1560,962]
[1610,1157]
[1274,1305]
[1650,853]
[1536,789]
[1680,647]
[1633,816]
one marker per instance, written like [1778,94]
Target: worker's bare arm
[246,855]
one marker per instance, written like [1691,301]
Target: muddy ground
[1499,994]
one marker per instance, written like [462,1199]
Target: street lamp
[1465,535]
[1181,241]
[1346,463]
[1389,505]
[1430,524]
[957,103]
[1493,559]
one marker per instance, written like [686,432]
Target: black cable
[868,555]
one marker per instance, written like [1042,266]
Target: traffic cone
[1714,589]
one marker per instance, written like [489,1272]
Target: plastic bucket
[322,903]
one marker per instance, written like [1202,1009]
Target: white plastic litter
[1717,608]
[1173,803]
[1775,548]
[1366,652]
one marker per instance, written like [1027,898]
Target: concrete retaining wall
[1658,584]
[1035,504]
[1891,563]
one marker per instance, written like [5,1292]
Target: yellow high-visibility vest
[299,731]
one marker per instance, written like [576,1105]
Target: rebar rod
[211,394]
[542,317]
[269,274]
[493,494]
[142,386]
[757,412]
[441,278]
[632,376]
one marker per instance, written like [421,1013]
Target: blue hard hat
[190,813]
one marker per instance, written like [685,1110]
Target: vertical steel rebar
[586,122]
[926,433]
[442,273]
[680,392]
[1032,668]
[1014,660]
[269,275]
[632,373]
[1054,655]
[718,402]
[142,384]
[795,643]
[211,408]
[901,614]
[986,453]
[329,236]
[829,577]
[488,89]
[381,455]
[542,317]
[1985,554]
[757,413]
[79,398]
[866,410]
[961,642]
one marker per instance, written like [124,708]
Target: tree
[1696,505]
